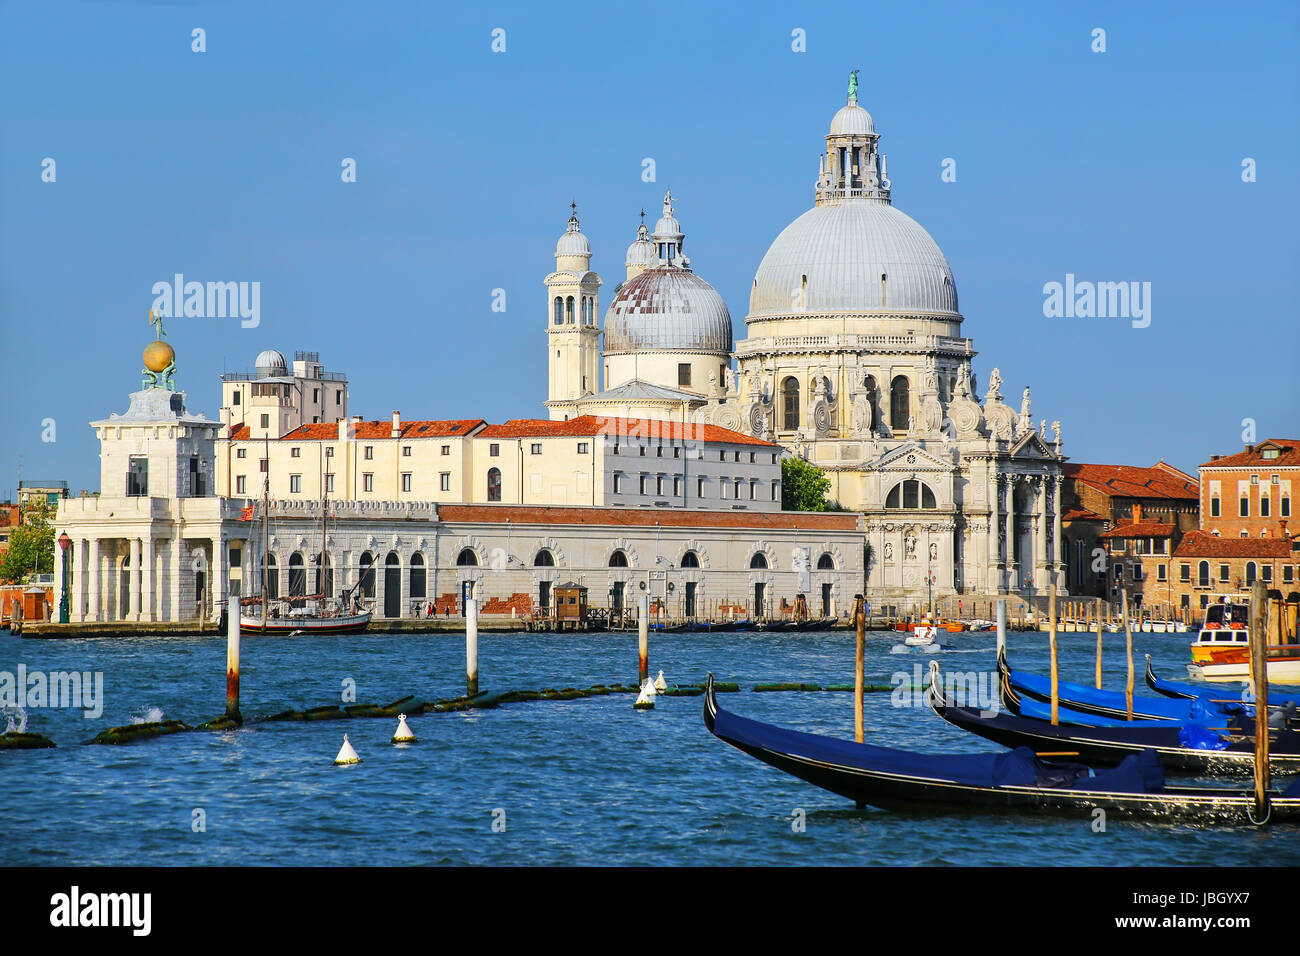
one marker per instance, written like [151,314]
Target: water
[579,782]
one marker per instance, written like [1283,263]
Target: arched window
[911,495]
[873,397]
[1250,573]
[759,560]
[468,558]
[367,574]
[1203,574]
[417,576]
[790,404]
[568,310]
[826,562]
[618,560]
[559,311]
[297,575]
[900,403]
[494,484]
[690,560]
[544,559]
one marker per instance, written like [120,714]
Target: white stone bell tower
[572,329]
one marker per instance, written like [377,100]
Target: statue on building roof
[159,359]
[853,86]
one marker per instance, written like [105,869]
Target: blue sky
[225,166]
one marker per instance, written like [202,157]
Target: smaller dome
[852,120]
[573,242]
[271,362]
[642,251]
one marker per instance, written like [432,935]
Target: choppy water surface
[580,782]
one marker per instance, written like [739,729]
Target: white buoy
[646,699]
[347,755]
[661,685]
[649,687]
[403,734]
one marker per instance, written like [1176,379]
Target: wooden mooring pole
[1051,644]
[860,625]
[1259,677]
[1002,626]
[1128,642]
[643,639]
[232,659]
[471,647]
[1099,630]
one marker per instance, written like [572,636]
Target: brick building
[1205,565]
[1248,495]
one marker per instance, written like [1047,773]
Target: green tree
[31,544]
[803,486]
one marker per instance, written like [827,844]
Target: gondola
[1016,780]
[1188,691]
[1090,700]
[1180,747]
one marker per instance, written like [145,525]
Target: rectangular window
[582,447]
[295,484]
[494,450]
[737,456]
[739,486]
[1264,505]
[1185,572]
[684,374]
[722,455]
[677,486]
[776,491]
[641,449]
[1288,573]
[329,451]
[315,396]
[444,481]
[1214,507]
[753,458]
[406,481]
[618,483]
[1223,572]
[642,484]
[536,448]
[329,484]
[446,449]
[406,451]
[236,398]
[677,451]
[369,453]
[338,396]
[753,489]
[1160,572]
[1285,510]
[1243,509]
[240,485]
[1137,572]
[699,487]
[1254,479]
[368,482]
[266,421]
[659,450]
[241,452]
[1266,573]
[295,452]
[263,466]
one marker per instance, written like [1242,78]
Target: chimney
[1215,457]
[1286,535]
[1250,449]
[397,426]
[1137,511]
[343,429]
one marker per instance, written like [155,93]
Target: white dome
[667,309]
[842,249]
[573,242]
[852,119]
[271,362]
[642,251]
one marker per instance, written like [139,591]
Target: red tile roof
[649,517]
[1140,529]
[593,425]
[1081,514]
[239,433]
[1132,481]
[384,429]
[1200,544]
[1288,457]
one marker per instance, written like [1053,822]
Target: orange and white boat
[1225,631]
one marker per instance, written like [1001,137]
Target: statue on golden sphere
[159,359]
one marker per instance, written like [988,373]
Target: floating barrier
[24,741]
[133,732]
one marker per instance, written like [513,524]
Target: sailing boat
[316,613]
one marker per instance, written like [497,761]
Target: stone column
[217,586]
[1040,541]
[1058,551]
[93,563]
[78,609]
[174,577]
[995,494]
[133,579]
[148,597]
[1011,534]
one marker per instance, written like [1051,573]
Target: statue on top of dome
[853,86]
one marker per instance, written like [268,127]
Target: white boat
[1224,631]
[1281,670]
[981,625]
[923,634]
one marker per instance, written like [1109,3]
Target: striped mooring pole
[471,647]
[232,659]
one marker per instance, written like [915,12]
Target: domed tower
[572,333]
[666,326]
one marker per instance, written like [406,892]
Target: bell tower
[572,327]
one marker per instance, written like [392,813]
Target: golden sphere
[158,355]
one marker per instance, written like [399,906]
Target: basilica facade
[854,360]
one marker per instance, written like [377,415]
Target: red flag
[246,514]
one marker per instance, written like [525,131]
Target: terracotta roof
[593,425]
[326,431]
[1133,481]
[1081,514]
[649,517]
[1140,529]
[239,433]
[1288,457]
[1200,544]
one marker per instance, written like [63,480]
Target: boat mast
[320,561]
[266,524]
